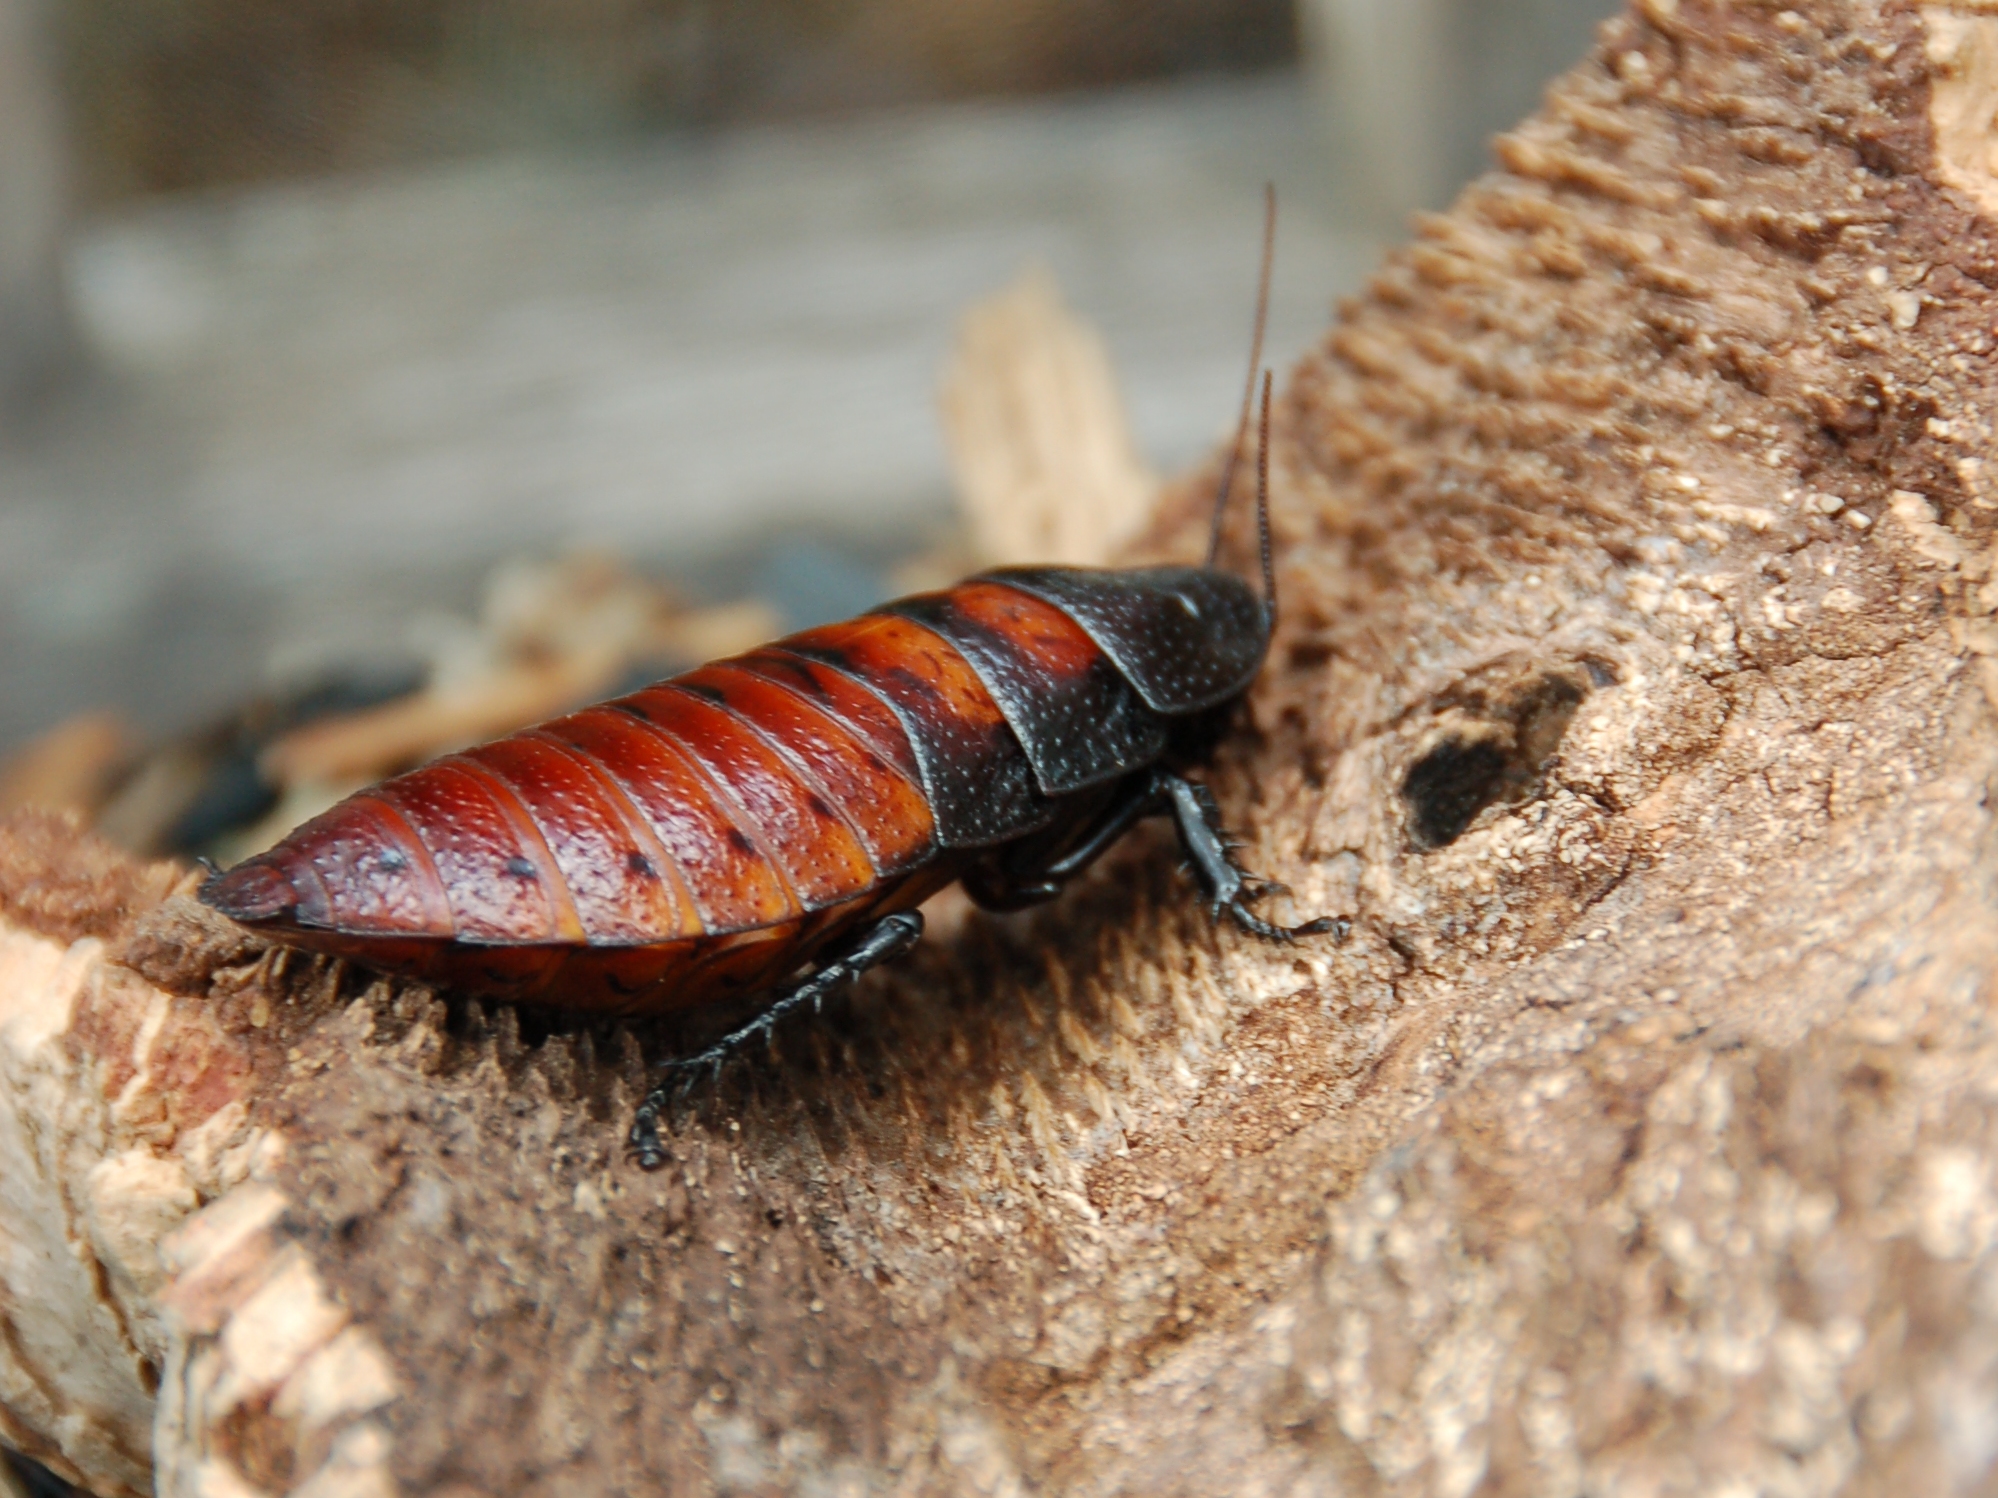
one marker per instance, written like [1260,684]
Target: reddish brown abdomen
[791,792]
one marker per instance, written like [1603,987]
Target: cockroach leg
[1209,855]
[884,941]
[1227,885]
[997,886]
[997,890]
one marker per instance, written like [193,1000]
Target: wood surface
[1640,1139]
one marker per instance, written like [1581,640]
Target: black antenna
[1255,367]
[1263,503]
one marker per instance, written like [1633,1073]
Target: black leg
[993,889]
[1141,797]
[1208,849]
[1001,888]
[1226,884]
[886,939]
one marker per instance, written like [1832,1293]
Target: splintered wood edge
[151,1285]
[1046,468]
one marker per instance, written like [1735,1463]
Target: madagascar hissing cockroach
[769,824]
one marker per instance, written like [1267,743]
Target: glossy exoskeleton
[768,824]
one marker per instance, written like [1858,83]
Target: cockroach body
[784,812]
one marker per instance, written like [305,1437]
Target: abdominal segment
[657,978]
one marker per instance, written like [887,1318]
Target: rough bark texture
[1635,697]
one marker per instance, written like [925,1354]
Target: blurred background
[351,349]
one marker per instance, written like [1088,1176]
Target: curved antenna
[1263,503]
[1255,367]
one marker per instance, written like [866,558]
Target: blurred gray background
[311,313]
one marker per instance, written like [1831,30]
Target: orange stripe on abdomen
[612,870]
[855,708]
[804,834]
[975,774]
[493,880]
[885,808]
[733,884]
[906,661]
[1037,629]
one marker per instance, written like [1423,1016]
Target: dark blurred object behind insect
[35,1480]
[766,826]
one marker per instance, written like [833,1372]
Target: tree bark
[1633,695]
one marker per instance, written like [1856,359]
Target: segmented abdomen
[754,794]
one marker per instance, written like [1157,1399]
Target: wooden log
[1634,695]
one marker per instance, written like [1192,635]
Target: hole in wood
[1490,752]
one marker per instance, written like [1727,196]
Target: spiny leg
[886,939]
[1227,885]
